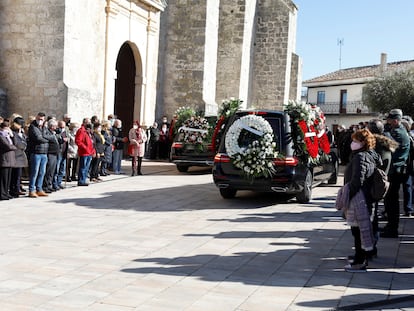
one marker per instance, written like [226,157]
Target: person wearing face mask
[99,144]
[66,119]
[357,175]
[397,172]
[119,143]
[62,136]
[86,150]
[72,154]
[137,140]
[38,147]
[49,132]
[164,142]
[107,158]
[20,141]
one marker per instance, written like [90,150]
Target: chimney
[383,65]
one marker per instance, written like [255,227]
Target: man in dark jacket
[396,173]
[38,147]
[119,141]
[154,134]
[49,133]
[62,137]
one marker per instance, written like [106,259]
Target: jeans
[84,164]
[37,171]
[408,192]
[116,160]
[60,171]
[50,171]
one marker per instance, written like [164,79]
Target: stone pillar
[272,54]
[182,56]
[230,48]
[3,104]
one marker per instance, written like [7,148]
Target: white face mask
[135,126]
[356,145]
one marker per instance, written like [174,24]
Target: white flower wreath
[257,158]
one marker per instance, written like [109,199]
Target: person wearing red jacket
[83,140]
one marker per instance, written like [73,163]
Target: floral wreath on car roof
[255,159]
[310,141]
[192,129]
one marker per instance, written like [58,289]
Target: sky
[366,28]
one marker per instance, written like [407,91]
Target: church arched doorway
[125,88]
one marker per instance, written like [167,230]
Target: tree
[391,91]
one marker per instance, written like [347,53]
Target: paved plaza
[168,241]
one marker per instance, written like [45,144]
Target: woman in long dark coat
[357,175]
[107,159]
[20,141]
[7,159]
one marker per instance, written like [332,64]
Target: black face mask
[67,122]
[89,126]
[58,130]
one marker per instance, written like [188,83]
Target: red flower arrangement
[216,131]
[324,143]
[310,138]
[308,131]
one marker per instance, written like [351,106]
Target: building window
[321,98]
[342,103]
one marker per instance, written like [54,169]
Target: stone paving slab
[168,241]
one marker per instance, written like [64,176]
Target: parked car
[292,175]
[192,145]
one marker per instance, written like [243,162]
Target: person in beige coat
[136,149]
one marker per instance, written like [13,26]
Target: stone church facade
[142,59]
[211,50]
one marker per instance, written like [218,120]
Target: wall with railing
[351,107]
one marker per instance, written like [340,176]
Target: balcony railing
[354,107]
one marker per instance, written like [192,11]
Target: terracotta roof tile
[361,72]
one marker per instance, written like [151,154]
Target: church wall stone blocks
[61,56]
[239,48]
[142,59]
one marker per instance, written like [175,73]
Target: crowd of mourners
[47,152]
[388,145]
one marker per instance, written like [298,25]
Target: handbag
[131,148]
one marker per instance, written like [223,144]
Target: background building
[339,93]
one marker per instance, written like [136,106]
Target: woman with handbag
[136,148]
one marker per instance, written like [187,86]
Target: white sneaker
[358,267]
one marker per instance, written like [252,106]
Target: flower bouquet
[194,131]
[310,141]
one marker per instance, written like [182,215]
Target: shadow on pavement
[188,197]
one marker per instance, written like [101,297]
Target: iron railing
[354,107]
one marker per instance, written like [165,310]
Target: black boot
[134,166]
[139,165]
